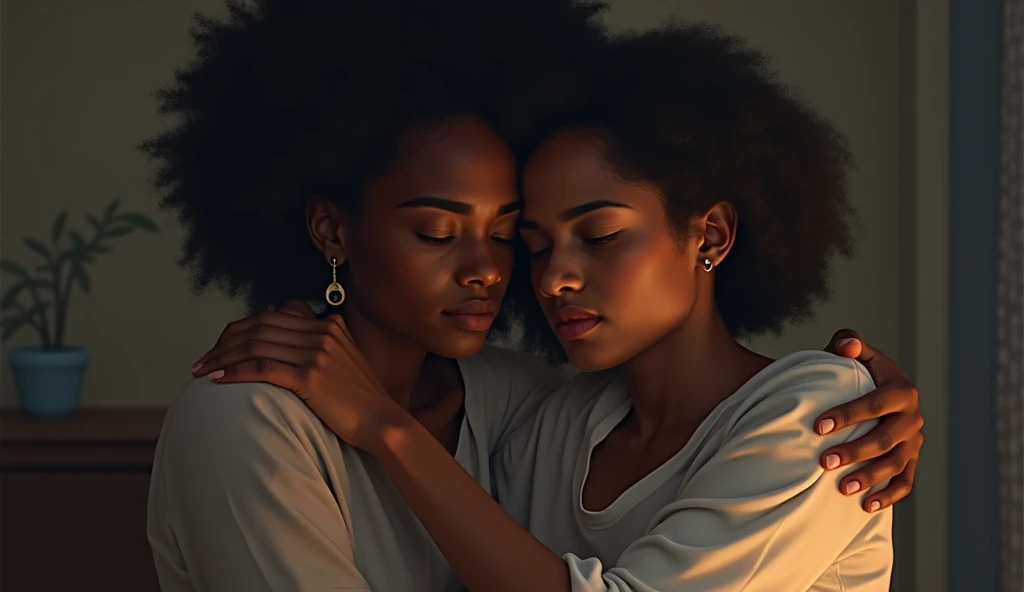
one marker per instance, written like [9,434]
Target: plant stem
[44,326]
[62,298]
[60,305]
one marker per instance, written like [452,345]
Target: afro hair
[290,98]
[699,114]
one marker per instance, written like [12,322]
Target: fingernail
[196,367]
[831,461]
[826,425]
[875,505]
[852,487]
[216,374]
[846,341]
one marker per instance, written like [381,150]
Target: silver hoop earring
[335,293]
[708,265]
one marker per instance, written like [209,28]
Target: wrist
[391,428]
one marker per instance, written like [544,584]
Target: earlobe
[327,227]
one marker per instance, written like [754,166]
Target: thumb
[297,308]
[846,343]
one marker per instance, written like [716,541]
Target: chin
[593,357]
[457,344]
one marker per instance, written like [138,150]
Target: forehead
[568,161]
[458,159]
[571,169]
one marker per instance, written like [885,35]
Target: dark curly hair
[699,114]
[290,98]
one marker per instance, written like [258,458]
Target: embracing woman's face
[611,275]
[430,252]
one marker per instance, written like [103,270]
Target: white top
[744,505]
[251,492]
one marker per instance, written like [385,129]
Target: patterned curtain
[1010,383]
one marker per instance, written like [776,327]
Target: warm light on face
[606,265]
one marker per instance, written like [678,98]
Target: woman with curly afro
[385,132]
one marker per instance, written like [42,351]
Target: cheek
[647,281]
[394,270]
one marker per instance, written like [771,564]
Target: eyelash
[602,240]
[433,240]
[594,242]
[444,240]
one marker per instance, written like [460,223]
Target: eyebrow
[455,207]
[577,211]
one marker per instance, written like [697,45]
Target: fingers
[297,308]
[899,487]
[846,343]
[253,342]
[883,468]
[339,330]
[266,370]
[872,405]
[269,318]
[894,430]
[256,350]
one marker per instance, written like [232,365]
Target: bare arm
[484,545]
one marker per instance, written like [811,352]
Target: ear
[719,233]
[328,227]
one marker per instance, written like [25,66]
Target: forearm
[485,546]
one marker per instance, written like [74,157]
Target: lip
[473,315]
[574,323]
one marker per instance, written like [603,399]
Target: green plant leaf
[43,268]
[101,248]
[95,222]
[139,221]
[58,225]
[37,246]
[82,277]
[10,325]
[38,309]
[108,214]
[11,297]
[76,239]
[12,267]
[118,231]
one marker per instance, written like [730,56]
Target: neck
[396,362]
[678,381]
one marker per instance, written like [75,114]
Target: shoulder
[232,406]
[819,375]
[229,422]
[800,386]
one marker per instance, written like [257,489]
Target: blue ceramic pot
[49,382]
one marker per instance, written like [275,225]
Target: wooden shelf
[92,426]
[87,479]
[100,438]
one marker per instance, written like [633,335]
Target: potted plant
[49,377]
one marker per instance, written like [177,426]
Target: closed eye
[434,240]
[600,240]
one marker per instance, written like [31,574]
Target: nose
[480,270]
[558,277]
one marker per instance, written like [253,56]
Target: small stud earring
[335,293]
[708,265]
